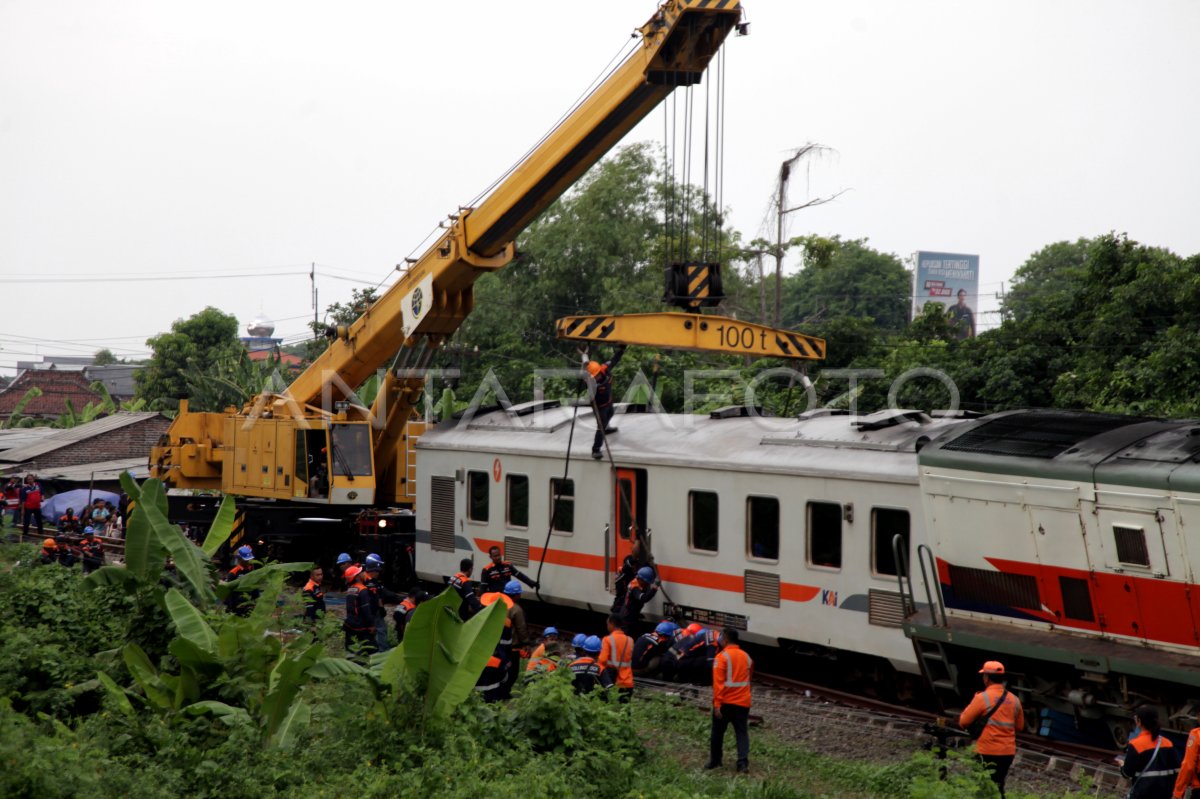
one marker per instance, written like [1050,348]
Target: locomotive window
[825,534]
[886,524]
[1131,545]
[762,527]
[518,500]
[477,496]
[562,505]
[702,521]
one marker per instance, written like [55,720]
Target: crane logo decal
[418,299]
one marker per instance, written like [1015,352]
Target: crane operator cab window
[350,450]
[312,464]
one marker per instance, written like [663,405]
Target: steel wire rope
[554,498]
[704,194]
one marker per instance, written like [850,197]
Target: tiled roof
[57,387]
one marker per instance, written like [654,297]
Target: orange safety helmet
[693,628]
[992,667]
[49,544]
[593,368]
[353,572]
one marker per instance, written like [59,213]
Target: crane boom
[276,446]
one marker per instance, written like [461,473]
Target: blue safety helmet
[666,628]
[245,552]
[89,529]
[645,574]
[344,558]
[512,588]
[550,631]
[373,562]
[578,641]
[592,644]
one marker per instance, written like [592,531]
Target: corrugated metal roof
[73,435]
[103,470]
[23,436]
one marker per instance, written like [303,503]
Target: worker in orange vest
[359,623]
[93,550]
[545,657]
[1189,773]
[402,615]
[731,674]
[500,673]
[549,642]
[314,594]
[616,653]
[49,552]
[587,672]
[997,743]
[1151,758]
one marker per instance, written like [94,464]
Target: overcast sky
[149,138]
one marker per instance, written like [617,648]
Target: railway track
[813,715]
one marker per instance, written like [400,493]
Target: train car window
[517,501]
[825,534]
[1131,545]
[702,521]
[562,505]
[762,527]
[886,524]
[477,496]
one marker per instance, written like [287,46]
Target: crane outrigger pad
[696,332]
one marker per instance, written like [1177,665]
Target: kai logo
[829,598]
[418,299]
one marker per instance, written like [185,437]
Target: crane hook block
[696,332]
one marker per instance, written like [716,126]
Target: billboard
[951,279]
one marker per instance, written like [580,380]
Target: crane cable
[554,497]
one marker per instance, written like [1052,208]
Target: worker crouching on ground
[241,602]
[48,553]
[616,654]
[731,674]
[1003,719]
[586,671]
[544,658]
[93,550]
[649,648]
[403,613]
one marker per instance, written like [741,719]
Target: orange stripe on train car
[792,592]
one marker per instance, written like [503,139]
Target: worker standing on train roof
[731,674]
[1189,771]
[1151,758]
[616,653]
[997,744]
[497,573]
[602,396]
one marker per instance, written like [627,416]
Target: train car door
[629,514]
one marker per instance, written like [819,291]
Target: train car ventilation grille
[994,588]
[762,588]
[1131,545]
[516,551]
[441,514]
[1034,434]
[1077,599]
[886,608]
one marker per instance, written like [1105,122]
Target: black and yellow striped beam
[695,332]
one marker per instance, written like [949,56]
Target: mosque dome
[261,327]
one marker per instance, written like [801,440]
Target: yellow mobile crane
[313,452]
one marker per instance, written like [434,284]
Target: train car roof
[1104,449]
[877,447]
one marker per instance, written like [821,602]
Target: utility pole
[785,171]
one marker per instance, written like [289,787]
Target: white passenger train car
[778,526]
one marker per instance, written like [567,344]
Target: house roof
[73,435]
[57,387]
[23,436]
[116,377]
[139,468]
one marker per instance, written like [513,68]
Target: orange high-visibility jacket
[732,670]
[617,654]
[1188,776]
[1000,734]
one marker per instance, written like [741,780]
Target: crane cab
[325,462]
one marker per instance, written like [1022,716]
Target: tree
[104,357]
[847,279]
[195,343]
